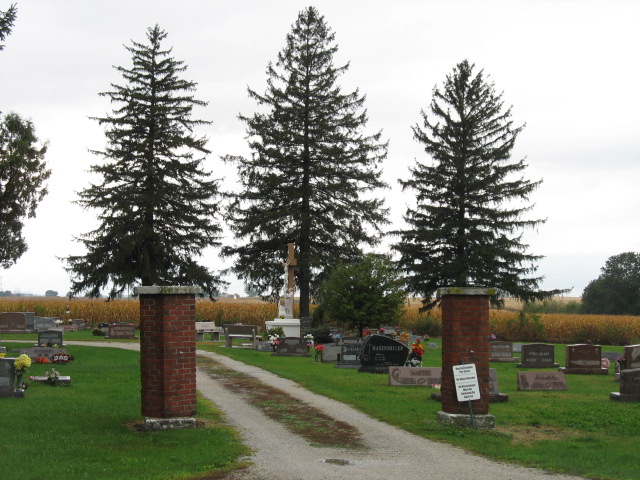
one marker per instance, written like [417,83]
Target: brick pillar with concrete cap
[168,355]
[465,339]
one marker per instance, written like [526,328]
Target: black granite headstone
[380,352]
[292,346]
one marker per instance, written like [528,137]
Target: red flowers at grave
[417,348]
[41,359]
[319,348]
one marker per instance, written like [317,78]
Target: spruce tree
[312,170]
[157,204]
[466,226]
[22,170]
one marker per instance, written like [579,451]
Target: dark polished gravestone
[8,379]
[121,330]
[13,322]
[49,338]
[380,352]
[629,386]
[501,352]
[529,381]
[584,359]
[538,355]
[292,347]
[350,353]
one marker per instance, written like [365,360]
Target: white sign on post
[466,381]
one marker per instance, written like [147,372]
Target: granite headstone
[629,386]
[379,352]
[584,359]
[529,381]
[501,352]
[538,355]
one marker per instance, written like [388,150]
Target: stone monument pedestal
[290,326]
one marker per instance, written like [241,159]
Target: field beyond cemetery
[508,324]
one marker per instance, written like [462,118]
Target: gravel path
[278,454]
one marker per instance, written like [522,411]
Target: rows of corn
[506,325]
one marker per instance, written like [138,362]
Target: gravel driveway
[393,453]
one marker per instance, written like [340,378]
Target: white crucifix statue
[286,302]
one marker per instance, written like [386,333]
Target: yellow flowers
[22,364]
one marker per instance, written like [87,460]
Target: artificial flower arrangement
[22,364]
[415,357]
[319,349]
[53,377]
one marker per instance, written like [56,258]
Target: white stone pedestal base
[290,326]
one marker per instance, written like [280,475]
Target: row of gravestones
[28,322]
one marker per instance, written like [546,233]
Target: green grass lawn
[577,431]
[84,430]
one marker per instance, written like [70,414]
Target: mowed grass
[86,430]
[579,431]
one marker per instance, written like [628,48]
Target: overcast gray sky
[569,68]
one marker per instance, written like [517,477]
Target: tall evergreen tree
[310,169]
[465,229]
[6,23]
[22,170]
[22,176]
[157,204]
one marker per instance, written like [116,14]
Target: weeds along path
[278,454]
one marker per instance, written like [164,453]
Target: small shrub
[322,334]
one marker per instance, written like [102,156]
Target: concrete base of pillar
[169,423]
[484,421]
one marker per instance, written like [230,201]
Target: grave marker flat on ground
[423,376]
[529,381]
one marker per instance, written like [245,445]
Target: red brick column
[465,339]
[168,351]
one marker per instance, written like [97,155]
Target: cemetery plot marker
[583,359]
[529,381]
[629,386]
[538,355]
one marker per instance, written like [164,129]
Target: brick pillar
[168,351]
[465,339]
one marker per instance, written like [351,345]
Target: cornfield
[506,325]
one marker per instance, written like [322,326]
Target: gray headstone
[632,356]
[44,323]
[29,318]
[331,353]
[529,381]
[37,352]
[629,386]
[501,352]
[7,375]
[264,347]
[611,356]
[292,346]
[350,354]
[50,338]
[121,330]
[538,355]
